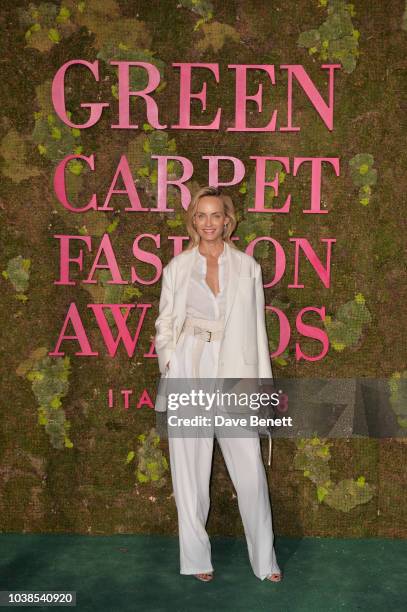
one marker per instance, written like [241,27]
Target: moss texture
[90,488]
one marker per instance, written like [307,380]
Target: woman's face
[209,218]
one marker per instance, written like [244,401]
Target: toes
[204,577]
[274,577]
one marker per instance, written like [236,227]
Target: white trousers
[191,461]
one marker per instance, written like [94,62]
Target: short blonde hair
[228,209]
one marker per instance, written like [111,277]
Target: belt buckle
[200,331]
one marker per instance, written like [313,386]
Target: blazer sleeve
[164,338]
[265,370]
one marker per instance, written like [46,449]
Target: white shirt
[202,303]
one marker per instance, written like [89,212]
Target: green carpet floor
[132,572]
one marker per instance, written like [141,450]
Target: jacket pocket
[246,287]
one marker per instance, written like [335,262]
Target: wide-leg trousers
[191,461]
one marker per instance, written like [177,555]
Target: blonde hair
[228,210]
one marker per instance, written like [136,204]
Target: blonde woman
[211,324]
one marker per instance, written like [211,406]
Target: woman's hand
[152,338]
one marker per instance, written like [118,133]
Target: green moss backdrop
[68,463]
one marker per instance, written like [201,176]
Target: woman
[211,324]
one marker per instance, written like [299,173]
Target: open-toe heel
[205,577]
[275,577]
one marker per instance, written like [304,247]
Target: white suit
[242,353]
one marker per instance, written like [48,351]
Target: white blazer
[244,349]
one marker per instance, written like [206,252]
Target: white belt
[205,330]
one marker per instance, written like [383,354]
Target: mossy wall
[67,462]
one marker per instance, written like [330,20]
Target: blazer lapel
[184,272]
[234,258]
